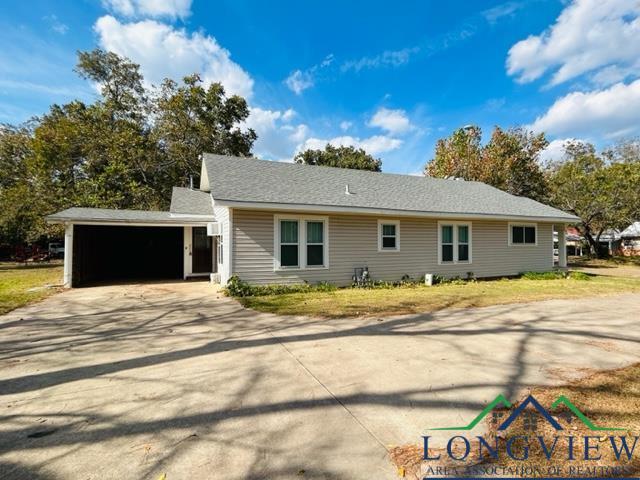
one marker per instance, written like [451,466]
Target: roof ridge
[358,171]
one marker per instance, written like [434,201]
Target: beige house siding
[353,242]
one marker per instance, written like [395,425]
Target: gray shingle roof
[185,200]
[125,216]
[251,180]
[631,231]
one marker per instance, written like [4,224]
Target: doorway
[202,255]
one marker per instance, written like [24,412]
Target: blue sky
[390,77]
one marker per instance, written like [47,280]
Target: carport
[109,246]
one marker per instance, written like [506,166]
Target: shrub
[555,275]
[579,276]
[239,288]
[552,275]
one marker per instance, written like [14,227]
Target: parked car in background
[56,250]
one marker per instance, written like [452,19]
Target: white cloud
[393,58]
[299,81]
[555,151]
[163,51]
[393,121]
[345,125]
[612,112]
[277,137]
[149,8]
[374,145]
[56,25]
[508,9]
[587,36]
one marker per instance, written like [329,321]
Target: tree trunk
[594,245]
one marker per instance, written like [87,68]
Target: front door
[202,251]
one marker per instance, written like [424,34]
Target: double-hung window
[523,234]
[300,242]
[454,242]
[315,243]
[289,245]
[388,235]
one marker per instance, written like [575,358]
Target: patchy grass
[23,284]
[608,399]
[605,262]
[615,266]
[413,299]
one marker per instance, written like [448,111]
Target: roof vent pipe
[190,182]
[346,190]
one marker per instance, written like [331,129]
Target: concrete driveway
[129,382]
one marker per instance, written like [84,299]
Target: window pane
[530,234]
[463,234]
[315,255]
[288,231]
[447,253]
[289,255]
[388,242]
[517,234]
[447,234]
[314,232]
[463,253]
[389,230]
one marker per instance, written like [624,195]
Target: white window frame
[455,226]
[520,224]
[302,241]
[388,222]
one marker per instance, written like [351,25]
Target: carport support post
[562,246]
[68,254]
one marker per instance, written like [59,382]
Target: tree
[191,119]
[458,156]
[600,189]
[342,157]
[15,148]
[125,150]
[509,161]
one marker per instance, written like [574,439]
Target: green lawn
[401,300]
[22,284]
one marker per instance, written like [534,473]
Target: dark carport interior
[106,253]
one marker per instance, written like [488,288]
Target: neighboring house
[631,240]
[574,241]
[610,241]
[274,222]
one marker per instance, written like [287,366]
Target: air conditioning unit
[214,228]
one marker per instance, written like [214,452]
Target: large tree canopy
[342,157]
[509,161]
[601,189]
[125,150]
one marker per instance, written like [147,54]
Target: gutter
[389,212]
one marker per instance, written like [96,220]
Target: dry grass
[23,284]
[406,300]
[607,398]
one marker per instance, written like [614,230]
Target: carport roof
[107,215]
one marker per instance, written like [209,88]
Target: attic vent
[347,191]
